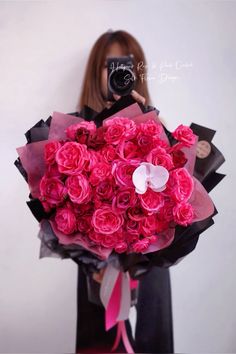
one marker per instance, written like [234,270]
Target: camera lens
[121,81]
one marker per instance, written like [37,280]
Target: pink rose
[52,191]
[179,158]
[80,131]
[124,199]
[161,225]
[95,237]
[121,247]
[71,158]
[83,209]
[184,135]
[180,185]
[130,150]
[120,124]
[109,153]
[105,190]
[145,142]
[148,225]
[79,189]
[114,133]
[52,171]
[141,245]
[93,159]
[119,235]
[157,142]
[151,201]
[100,172]
[50,150]
[106,221]
[133,227]
[96,140]
[183,214]
[84,224]
[159,157]
[136,213]
[123,171]
[108,240]
[151,128]
[132,237]
[165,213]
[65,220]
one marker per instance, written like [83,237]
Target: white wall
[44,46]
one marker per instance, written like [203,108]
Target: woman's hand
[99,275]
[134,94]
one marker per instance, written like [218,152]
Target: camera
[120,76]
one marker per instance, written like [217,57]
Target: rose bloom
[100,172]
[52,171]
[141,245]
[130,150]
[136,213]
[117,125]
[95,236]
[71,158]
[121,247]
[161,225]
[131,237]
[148,225]
[144,142]
[83,209]
[108,240]
[151,128]
[96,140]
[124,199]
[151,201]
[50,150]
[180,185]
[114,133]
[123,171]
[183,214]
[157,142]
[93,159]
[52,191]
[66,220]
[133,227]
[165,213]
[74,131]
[84,224]
[179,158]
[106,221]
[159,157]
[105,190]
[184,135]
[108,153]
[79,189]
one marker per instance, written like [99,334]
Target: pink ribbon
[115,295]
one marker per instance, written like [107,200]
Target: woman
[153,332]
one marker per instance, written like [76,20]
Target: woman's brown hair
[91,94]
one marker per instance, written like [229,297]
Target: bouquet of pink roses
[116,194]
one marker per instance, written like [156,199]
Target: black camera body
[120,76]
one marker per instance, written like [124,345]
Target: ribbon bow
[115,294]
